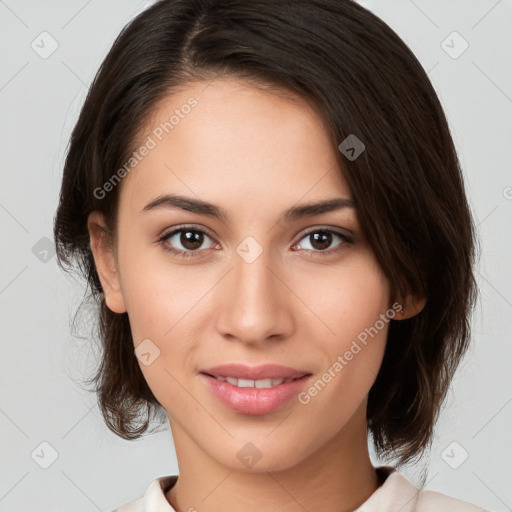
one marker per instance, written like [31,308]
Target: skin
[255,154]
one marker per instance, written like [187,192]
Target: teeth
[248,383]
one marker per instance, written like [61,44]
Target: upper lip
[265,371]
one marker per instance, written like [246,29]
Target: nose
[254,303]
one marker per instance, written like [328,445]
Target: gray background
[41,361]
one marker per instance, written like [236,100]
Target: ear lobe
[105,262]
[411,306]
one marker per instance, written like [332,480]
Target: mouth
[258,383]
[254,396]
[261,376]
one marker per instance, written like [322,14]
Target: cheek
[347,298]
[162,301]
[160,308]
[155,294]
[354,305]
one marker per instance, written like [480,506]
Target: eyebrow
[205,208]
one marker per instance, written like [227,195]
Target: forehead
[228,139]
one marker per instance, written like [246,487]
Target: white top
[396,494]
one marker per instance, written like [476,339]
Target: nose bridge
[253,307]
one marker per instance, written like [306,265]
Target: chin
[252,457]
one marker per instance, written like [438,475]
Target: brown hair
[407,184]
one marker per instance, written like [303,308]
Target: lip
[254,401]
[265,371]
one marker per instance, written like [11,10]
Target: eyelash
[196,254]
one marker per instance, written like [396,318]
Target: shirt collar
[395,494]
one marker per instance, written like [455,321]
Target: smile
[248,383]
[248,396]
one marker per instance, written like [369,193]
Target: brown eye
[323,240]
[186,241]
[191,240]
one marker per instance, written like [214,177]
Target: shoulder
[435,501]
[397,493]
[154,499]
[132,506]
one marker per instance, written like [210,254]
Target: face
[250,286]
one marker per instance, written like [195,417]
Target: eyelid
[181,227]
[336,230]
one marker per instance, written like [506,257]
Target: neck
[337,477]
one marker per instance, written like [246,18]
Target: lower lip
[254,400]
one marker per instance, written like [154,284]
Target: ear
[411,306]
[105,261]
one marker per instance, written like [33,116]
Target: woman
[266,201]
